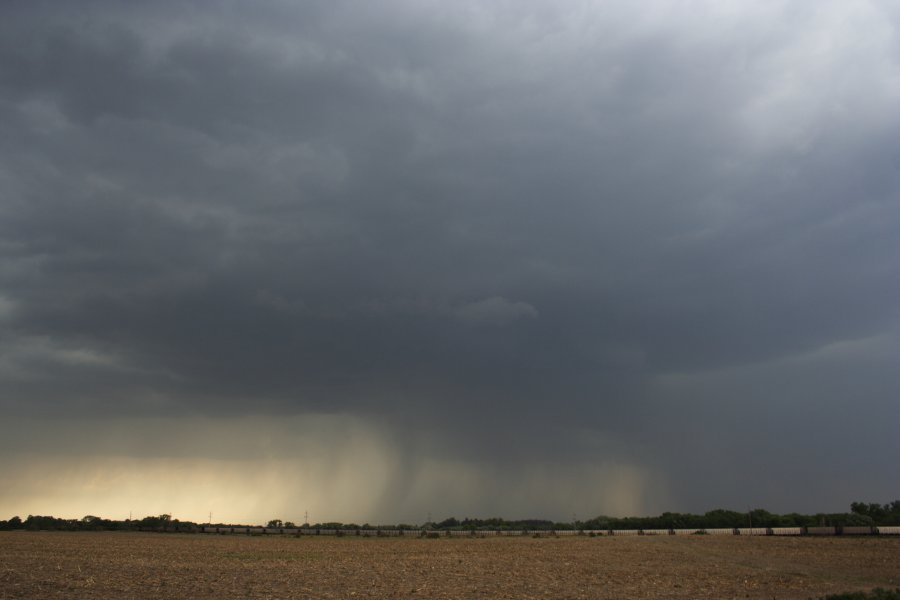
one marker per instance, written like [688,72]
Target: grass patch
[876,594]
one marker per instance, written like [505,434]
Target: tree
[448,523]
[724,518]
[275,524]
[880,515]
[762,518]
[156,522]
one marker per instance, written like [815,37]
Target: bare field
[134,565]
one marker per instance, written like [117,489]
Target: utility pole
[210,517]
[306,518]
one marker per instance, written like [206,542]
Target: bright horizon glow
[338,468]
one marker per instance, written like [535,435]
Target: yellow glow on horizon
[252,470]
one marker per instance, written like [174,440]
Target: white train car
[791,530]
[687,531]
[821,531]
[618,532]
[655,531]
[884,530]
[384,532]
[720,531]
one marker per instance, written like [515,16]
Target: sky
[375,261]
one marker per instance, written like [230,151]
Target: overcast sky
[375,260]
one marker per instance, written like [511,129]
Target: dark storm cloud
[626,223]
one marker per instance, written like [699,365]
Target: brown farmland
[135,565]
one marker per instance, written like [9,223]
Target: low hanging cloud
[494,310]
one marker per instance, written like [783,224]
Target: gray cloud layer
[572,233]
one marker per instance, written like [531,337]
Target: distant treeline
[860,513]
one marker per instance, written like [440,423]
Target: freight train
[745,531]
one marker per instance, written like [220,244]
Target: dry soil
[135,565]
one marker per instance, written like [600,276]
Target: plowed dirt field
[135,565]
